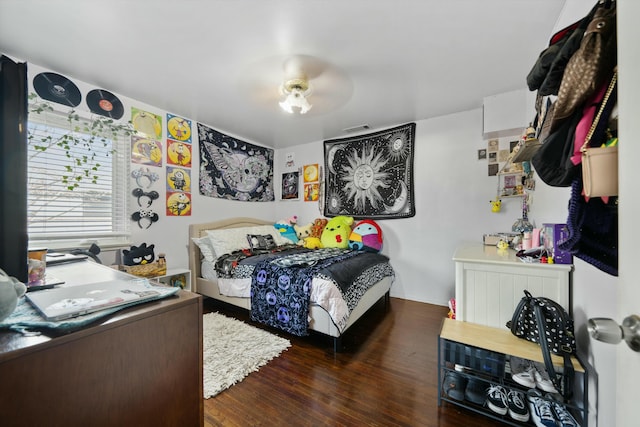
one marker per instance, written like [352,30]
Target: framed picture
[290,185]
[509,181]
[310,173]
[482,154]
[311,192]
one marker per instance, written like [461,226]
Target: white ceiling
[220,62]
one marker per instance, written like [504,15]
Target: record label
[57,88]
[105,103]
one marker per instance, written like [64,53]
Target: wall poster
[371,176]
[234,169]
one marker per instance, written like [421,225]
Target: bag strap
[512,324]
[596,119]
[568,371]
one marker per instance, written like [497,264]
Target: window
[77,179]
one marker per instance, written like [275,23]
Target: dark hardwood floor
[386,375]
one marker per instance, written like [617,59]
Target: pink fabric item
[583,126]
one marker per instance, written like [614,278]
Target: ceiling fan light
[296,97]
[286,106]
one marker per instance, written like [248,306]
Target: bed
[320,312]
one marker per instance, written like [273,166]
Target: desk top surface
[13,344]
[489,254]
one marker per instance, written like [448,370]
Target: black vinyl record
[57,88]
[105,103]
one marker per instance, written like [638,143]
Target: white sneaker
[564,417]
[541,412]
[542,379]
[523,372]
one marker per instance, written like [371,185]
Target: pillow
[261,242]
[206,249]
[227,240]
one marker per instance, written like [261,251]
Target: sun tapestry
[371,176]
[234,169]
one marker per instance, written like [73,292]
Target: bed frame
[320,319]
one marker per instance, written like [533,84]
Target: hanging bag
[590,65]
[600,164]
[545,322]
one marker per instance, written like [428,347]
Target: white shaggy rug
[234,349]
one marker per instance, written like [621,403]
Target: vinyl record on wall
[57,88]
[105,103]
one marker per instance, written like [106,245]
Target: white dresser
[490,283]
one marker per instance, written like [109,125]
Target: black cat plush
[138,255]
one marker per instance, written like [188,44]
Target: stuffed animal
[336,232]
[366,236]
[286,228]
[138,255]
[318,227]
[309,235]
[303,231]
[312,242]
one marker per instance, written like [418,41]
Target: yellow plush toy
[302,231]
[336,232]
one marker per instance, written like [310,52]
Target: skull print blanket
[280,286]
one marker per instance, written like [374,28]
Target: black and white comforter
[282,282]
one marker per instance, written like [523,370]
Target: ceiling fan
[296,84]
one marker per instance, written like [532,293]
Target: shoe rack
[484,351]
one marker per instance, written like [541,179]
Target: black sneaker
[517,407]
[476,391]
[497,399]
[454,385]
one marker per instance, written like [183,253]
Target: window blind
[77,186]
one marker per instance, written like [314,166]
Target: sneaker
[541,411]
[543,381]
[522,372]
[564,417]
[517,407]
[476,391]
[454,385]
[497,399]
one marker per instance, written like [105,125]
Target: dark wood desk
[141,366]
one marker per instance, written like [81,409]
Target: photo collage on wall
[179,155]
[496,155]
[514,177]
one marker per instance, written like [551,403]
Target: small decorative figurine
[496,205]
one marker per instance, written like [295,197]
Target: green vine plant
[79,141]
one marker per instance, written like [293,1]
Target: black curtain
[13,171]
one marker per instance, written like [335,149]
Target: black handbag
[552,161]
[545,322]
